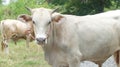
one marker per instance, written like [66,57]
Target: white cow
[16,29]
[68,40]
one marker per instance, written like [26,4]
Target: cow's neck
[52,34]
[49,47]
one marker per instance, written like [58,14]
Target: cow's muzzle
[40,40]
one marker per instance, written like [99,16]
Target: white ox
[16,29]
[68,40]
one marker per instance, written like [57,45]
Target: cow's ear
[24,18]
[57,18]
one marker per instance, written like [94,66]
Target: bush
[12,10]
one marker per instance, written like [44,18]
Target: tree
[0,1]
[117,3]
[83,7]
[99,5]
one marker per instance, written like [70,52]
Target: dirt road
[109,63]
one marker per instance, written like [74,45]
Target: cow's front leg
[59,65]
[74,59]
[55,64]
[74,62]
[27,40]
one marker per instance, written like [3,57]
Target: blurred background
[12,8]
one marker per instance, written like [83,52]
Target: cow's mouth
[41,41]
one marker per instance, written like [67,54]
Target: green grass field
[21,56]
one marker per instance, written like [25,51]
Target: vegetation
[20,56]
[76,7]
[15,8]
[84,7]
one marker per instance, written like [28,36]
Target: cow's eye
[49,22]
[33,22]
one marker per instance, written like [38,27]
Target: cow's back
[15,25]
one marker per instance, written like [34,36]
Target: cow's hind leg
[99,65]
[15,41]
[2,45]
[6,47]
[117,58]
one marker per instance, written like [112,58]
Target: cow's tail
[117,58]
[2,34]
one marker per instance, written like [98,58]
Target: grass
[21,56]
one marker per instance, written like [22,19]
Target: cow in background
[68,40]
[22,28]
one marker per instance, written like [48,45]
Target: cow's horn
[29,9]
[55,10]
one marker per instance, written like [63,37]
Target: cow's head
[42,18]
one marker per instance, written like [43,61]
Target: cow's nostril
[40,39]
